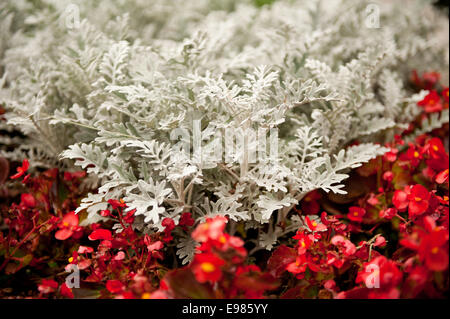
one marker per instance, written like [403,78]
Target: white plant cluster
[108,90]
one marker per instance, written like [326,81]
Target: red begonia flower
[400,199]
[115,286]
[435,148]
[100,234]
[168,223]
[380,241]
[27,200]
[66,291]
[186,220]
[212,229]
[442,177]
[382,271]
[347,247]
[445,95]
[418,200]
[433,248]
[21,170]
[431,103]
[298,266]
[48,286]
[356,214]
[85,249]
[67,226]
[207,267]
[314,226]
[155,246]
[391,156]
[303,242]
[117,203]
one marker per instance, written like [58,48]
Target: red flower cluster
[31,224]
[218,267]
[69,227]
[406,212]
[435,102]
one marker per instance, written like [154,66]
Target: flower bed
[388,240]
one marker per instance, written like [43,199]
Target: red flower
[27,200]
[431,102]
[303,242]
[433,247]
[445,94]
[117,203]
[412,155]
[383,272]
[115,286]
[100,234]
[380,241]
[333,259]
[391,156]
[297,267]
[314,226]
[433,250]
[418,200]
[85,249]
[68,226]
[212,229]
[442,177]
[438,157]
[48,286]
[207,267]
[186,220]
[400,199]
[129,217]
[66,291]
[347,247]
[155,246]
[168,223]
[105,213]
[356,214]
[373,199]
[388,176]
[436,148]
[22,169]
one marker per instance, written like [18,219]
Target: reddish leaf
[280,258]
[183,284]
[256,282]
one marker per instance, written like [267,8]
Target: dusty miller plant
[106,92]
